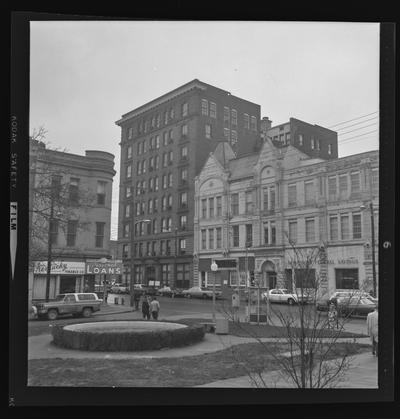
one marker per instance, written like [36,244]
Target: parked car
[119,289]
[77,304]
[285,296]
[149,290]
[350,294]
[197,292]
[348,306]
[170,292]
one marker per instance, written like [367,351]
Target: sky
[85,74]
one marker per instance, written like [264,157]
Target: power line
[358,123]
[354,119]
[357,129]
[356,136]
[361,139]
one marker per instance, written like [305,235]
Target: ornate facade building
[259,208]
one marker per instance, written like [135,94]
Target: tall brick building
[164,144]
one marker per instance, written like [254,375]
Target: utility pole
[373,247]
[214,268]
[49,246]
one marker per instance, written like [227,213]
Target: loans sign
[107,268]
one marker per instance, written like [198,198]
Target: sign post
[214,268]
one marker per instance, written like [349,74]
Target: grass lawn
[161,372]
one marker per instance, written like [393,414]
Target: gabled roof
[224,153]
[243,166]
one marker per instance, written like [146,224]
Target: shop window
[346,278]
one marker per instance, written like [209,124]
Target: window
[226,114]
[292,195]
[312,143]
[233,117]
[204,107]
[293,231]
[253,123]
[184,109]
[332,186]
[100,234]
[346,279]
[333,228]
[182,275]
[357,232]
[235,204]
[56,186]
[165,159]
[73,190]
[127,210]
[54,231]
[329,149]
[203,239]
[153,122]
[130,131]
[140,148]
[345,227]
[155,226]
[125,251]
[317,144]
[211,207]
[157,141]
[310,229]
[164,181]
[309,193]
[266,234]
[213,110]
[235,236]
[301,139]
[269,198]
[139,168]
[128,192]
[171,135]
[182,245]
[226,134]
[273,232]
[183,199]
[343,186]
[183,175]
[165,117]
[144,146]
[163,225]
[287,138]
[170,201]
[165,138]
[156,183]
[355,182]
[249,235]
[249,202]
[156,162]
[204,208]
[211,238]
[246,121]
[219,234]
[101,192]
[208,131]
[151,164]
[184,130]
[375,179]
[150,206]
[170,157]
[166,271]
[184,153]
[172,113]
[281,139]
[163,203]
[219,206]
[158,120]
[182,221]
[305,278]
[170,180]
[129,152]
[234,138]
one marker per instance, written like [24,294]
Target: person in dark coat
[145,308]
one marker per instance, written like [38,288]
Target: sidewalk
[107,308]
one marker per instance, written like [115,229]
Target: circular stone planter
[126,335]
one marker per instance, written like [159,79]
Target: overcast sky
[86,74]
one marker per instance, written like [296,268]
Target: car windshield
[366,301]
[285,292]
[60,297]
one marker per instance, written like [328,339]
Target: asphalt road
[175,307]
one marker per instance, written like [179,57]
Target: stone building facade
[164,144]
[80,226]
[261,208]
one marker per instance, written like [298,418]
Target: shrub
[126,341]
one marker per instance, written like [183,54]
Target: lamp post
[175,256]
[248,244]
[104,260]
[131,281]
[371,209]
[214,268]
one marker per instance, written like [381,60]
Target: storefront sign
[107,268]
[60,268]
[349,261]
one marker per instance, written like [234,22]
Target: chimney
[265,124]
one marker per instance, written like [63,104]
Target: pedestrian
[145,308]
[154,308]
[332,316]
[136,299]
[372,330]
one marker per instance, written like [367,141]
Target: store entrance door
[67,284]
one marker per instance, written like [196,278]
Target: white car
[119,289]
[284,296]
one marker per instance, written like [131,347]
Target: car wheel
[290,301]
[52,314]
[87,312]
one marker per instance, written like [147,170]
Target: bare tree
[306,348]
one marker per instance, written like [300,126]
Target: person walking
[372,330]
[154,308]
[145,307]
[332,316]
[136,299]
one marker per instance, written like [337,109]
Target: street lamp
[131,281]
[214,268]
[176,252]
[248,245]
[371,209]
